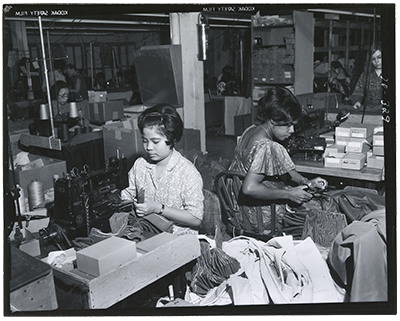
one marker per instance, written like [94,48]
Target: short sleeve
[270,158]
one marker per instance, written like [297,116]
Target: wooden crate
[168,253]
[31,285]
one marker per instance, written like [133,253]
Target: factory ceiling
[87,18]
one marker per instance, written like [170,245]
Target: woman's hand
[318,183]
[146,208]
[298,195]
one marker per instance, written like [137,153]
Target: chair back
[235,207]
[212,214]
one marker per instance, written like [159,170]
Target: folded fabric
[156,223]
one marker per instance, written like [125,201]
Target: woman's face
[155,144]
[282,132]
[63,96]
[376,59]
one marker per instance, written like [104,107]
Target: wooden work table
[314,167]
[370,177]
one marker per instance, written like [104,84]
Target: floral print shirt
[266,157]
[179,186]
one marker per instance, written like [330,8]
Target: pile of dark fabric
[212,268]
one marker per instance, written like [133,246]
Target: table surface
[314,167]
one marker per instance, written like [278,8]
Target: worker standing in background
[78,84]
[368,90]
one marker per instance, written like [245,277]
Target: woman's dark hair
[279,105]
[166,118]
[55,89]
[375,47]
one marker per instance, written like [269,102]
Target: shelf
[336,49]
[285,48]
[289,25]
[255,47]
[272,83]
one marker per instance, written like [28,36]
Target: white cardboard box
[378,150]
[357,145]
[377,162]
[332,159]
[342,131]
[377,139]
[354,161]
[335,148]
[105,256]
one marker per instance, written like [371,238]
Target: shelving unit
[282,53]
[336,39]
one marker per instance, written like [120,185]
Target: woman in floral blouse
[171,184]
[265,161]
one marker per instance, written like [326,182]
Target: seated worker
[172,186]
[368,90]
[78,84]
[100,81]
[265,161]
[59,94]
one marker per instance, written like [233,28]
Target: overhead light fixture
[203,30]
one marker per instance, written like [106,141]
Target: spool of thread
[35,194]
[31,95]
[44,111]
[73,110]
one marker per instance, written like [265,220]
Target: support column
[183,27]
[19,38]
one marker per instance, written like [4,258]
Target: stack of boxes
[352,147]
[377,160]
[273,63]
[99,109]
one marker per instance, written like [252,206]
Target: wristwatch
[162,209]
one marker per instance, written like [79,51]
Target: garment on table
[264,157]
[280,271]
[358,258]
[179,186]
[370,94]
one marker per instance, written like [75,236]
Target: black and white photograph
[208,159]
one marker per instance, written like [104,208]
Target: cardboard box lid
[356,156]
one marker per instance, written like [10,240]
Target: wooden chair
[235,208]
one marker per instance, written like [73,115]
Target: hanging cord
[15,190]
[366,88]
